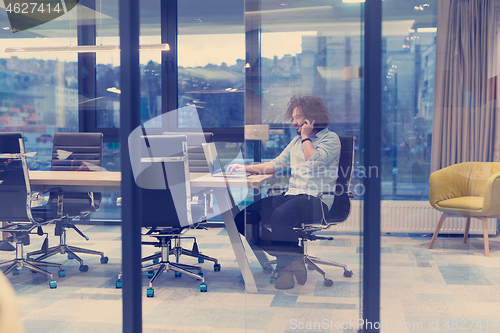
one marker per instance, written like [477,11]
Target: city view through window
[40,97]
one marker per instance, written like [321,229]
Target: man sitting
[313,158]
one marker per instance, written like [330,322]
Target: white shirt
[319,173]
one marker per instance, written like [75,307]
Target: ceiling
[228,16]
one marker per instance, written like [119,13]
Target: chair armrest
[35,198]
[491,204]
[349,194]
[96,200]
[447,183]
[60,200]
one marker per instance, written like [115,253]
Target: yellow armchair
[469,189]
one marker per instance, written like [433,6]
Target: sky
[193,50]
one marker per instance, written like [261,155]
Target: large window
[211,53]
[408,97]
[38,94]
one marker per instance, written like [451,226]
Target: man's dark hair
[312,108]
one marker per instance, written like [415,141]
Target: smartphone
[303,123]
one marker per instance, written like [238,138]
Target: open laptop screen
[213,161]
[214,164]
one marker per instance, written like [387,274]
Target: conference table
[103,181]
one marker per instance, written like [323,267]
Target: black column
[253,84]
[372,114]
[129,120]
[169,77]
[86,32]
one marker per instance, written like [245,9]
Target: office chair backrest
[14,186]
[164,182]
[196,156]
[341,207]
[76,151]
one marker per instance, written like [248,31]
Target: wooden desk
[76,181]
[90,181]
[220,187]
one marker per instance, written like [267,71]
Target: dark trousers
[282,213]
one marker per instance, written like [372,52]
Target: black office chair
[18,210]
[201,201]
[74,152]
[338,213]
[166,206]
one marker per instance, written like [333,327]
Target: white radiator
[412,217]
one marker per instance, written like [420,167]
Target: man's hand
[307,129]
[236,167]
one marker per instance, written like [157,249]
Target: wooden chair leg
[485,235]
[467,227]
[438,228]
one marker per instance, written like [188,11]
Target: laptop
[214,164]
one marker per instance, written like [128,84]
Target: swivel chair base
[70,250]
[179,269]
[163,264]
[178,250]
[311,265]
[182,251]
[19,262]
[310,261]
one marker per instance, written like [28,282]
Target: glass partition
[315,49]
[426,61]
[40,95]
[408,67]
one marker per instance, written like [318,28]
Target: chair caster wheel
[347,273]
[177,274]
[217,267]
[61,273]
[104,260]
[70,257]
[155,261]
[267,270]
[33,271]
[274,276]
[151,274]
[203,287]
[15,272]
[201,260]
[52,284]
[150,292]
[119,284]
[83,268]
[327,282]
[309,267]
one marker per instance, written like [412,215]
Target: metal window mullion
[129,120]
[371,143]
[169,73]
[86,35]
